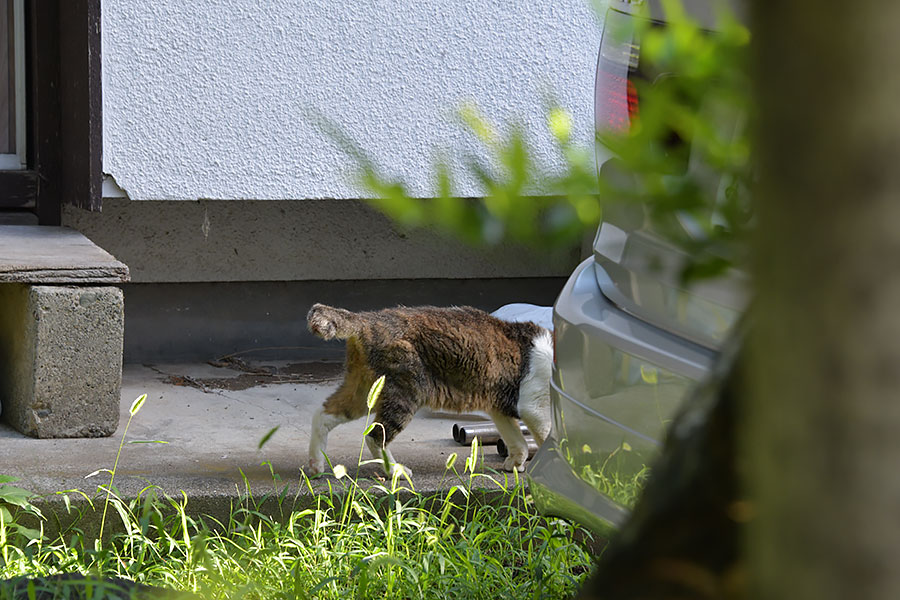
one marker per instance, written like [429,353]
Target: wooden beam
[19,188]
[81,127]
[42,65]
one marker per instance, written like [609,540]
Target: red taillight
[615,95]
[616,102]
[632,97]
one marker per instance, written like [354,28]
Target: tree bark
[821,430]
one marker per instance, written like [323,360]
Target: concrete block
[61,362]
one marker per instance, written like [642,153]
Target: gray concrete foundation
[196,322]
[61,363]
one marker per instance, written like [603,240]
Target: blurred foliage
[15,502]
[688,152]
[683,162]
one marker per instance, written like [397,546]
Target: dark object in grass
[75,586]
[486,432]
[682,539]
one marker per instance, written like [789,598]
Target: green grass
[482,538]
[621,479]
[383,541]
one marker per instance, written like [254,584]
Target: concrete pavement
[213,419]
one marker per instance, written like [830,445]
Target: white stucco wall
[206,98]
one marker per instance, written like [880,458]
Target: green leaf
[15,496]
[267,437]
[137,404]
[321,584]
[7,479]
[31,534]
[560,123]
[477,124]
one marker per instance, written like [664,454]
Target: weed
[620,480]
[13,535]
[135,407]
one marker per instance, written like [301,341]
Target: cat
[459,359]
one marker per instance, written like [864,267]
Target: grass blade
[267,437]
[375,392]
[137,404]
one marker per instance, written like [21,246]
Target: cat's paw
[514,464]
[315,466]
[399,470]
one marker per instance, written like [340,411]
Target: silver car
[630,339]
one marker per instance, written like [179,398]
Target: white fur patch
[534,391]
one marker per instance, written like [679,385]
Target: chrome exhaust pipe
[485,431]
[503,451]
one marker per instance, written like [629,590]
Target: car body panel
[631,337]
[642,275]
[616,384]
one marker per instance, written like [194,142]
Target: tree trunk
[822,426]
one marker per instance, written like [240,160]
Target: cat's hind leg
[534,390]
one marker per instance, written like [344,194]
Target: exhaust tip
[464,438]
[502,450]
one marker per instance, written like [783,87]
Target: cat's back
[461,336]
[434,322]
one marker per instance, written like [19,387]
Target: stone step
[55,255]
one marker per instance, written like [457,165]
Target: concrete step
[55,255]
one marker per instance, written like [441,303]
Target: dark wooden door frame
[64,111]
[81,105]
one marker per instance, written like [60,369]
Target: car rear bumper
[558,491]
[616,379]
